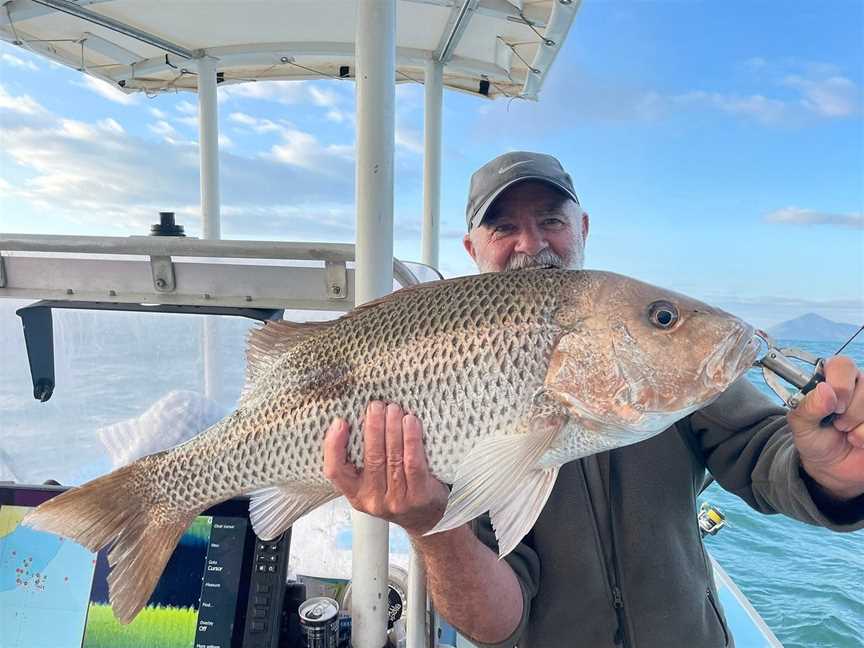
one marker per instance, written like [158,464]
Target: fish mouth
[731,359]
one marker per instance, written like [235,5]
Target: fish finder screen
[53,592]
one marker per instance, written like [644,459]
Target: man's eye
[553,222]
[503,229]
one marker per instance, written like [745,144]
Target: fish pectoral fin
[515,518]
[494,476]
[274,509]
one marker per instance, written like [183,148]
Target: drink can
[319,620]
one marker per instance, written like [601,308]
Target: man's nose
[531,241]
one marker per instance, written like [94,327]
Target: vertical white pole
[432,162]
[208,145]
[434,94]
[208,136]
[376,98]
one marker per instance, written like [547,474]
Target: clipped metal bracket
[37,320]
[2,273]
[163,274]
[336,278]
[39,339]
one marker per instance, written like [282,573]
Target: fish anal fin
[493,475]
[274,509]
[111,509]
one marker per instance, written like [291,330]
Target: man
[616,557]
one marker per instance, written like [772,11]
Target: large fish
[512,374]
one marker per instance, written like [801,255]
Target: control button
[273,559]
[274,547]
[262,558]
[259,613]
[258,626]
[271,568]
[261,600]
[262,546]
[262,588]
[263,568]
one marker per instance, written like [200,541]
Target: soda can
[319,621]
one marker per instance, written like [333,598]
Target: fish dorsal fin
[270,342]
[272,510]
[501,475]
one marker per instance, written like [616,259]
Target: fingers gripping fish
[512,374]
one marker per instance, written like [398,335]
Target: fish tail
[109,510]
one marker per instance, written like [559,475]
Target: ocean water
[132,381]
[805,581]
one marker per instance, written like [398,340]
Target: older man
[616,557]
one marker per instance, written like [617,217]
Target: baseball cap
[490,180]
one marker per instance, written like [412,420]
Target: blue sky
[718,148]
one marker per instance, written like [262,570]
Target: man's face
[530,224]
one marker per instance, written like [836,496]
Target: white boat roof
[489,47]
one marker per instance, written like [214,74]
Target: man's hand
[833,455]
[395,483]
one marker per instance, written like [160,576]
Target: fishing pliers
[777,364]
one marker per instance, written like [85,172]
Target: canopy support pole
[376,99]
[208,146]
[434,94]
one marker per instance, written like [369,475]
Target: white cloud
[109,91]
[14,61]
[162,128]
[22,104]
[96,178]
[783,92]
[285,92]
[323,97]
[303,149]
[338,116]
[759,107]
[835,96]
[110,125]
[187,108]
[187,121]
[158,114]
[254,123]
[225,141]
[798,216]
[409,140]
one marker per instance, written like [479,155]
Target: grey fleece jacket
[616,558]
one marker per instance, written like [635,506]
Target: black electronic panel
[212,594]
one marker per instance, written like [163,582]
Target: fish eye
[662,314]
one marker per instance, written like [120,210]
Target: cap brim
[477,219]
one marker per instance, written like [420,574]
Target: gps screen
[53,592]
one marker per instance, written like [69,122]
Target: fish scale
[512,374]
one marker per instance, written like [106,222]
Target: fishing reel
[711,519]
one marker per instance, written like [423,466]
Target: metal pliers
[777,363]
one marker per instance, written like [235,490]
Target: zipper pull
[618,601]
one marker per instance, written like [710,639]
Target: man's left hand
[833,455]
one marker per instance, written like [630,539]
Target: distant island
[814,328]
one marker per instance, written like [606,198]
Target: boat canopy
[490,48]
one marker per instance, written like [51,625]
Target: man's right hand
[395,483]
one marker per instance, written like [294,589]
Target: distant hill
[814,328]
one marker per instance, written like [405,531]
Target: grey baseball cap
[490,180]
